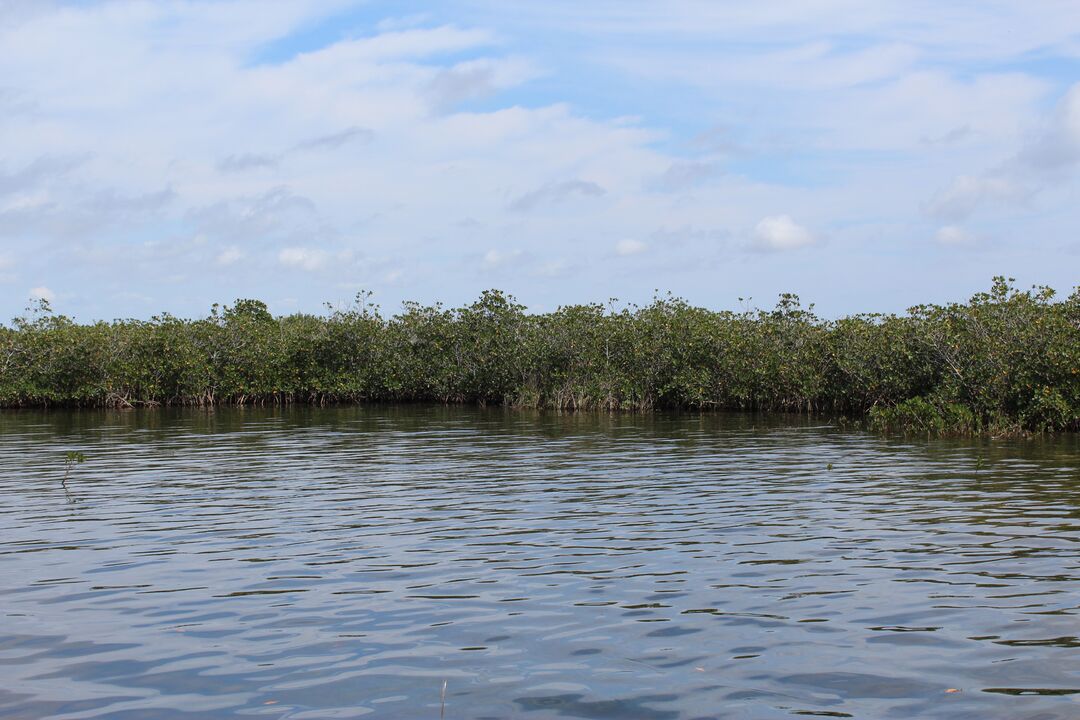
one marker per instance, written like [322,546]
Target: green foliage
[931,416]
[1005,361]
[71,459]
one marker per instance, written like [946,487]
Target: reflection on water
[346,562]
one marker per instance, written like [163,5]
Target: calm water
[349,562]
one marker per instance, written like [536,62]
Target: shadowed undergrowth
[1004,361]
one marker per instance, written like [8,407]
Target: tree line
[1005,361]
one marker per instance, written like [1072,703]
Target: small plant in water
[71,459]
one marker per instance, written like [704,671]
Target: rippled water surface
[352,562]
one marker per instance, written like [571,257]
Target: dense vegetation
[1005,361]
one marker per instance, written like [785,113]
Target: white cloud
[229,256]
[954,235]
[1044,160]
[780,232]
[496,258]
[552,268]
[814,65]
[334,140]
[404,22]
[42,293]
[303,258]
[1058,148]
[277,214]
[629,246]
[994,107]
[682,175]
[247,161]
[476,78]
[967,193]
[556,193]
[42,170]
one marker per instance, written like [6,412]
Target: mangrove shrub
[1004,361]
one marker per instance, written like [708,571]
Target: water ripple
[346,562]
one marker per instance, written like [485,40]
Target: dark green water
[347,563]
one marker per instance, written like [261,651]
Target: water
[348,562]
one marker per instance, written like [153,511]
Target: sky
[868,156]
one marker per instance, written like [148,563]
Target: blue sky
[164,156]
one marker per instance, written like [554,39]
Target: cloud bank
[164,156]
